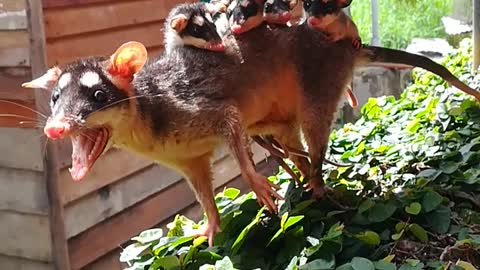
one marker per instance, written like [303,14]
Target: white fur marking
[244,3]
[90,78]
[270,2]
[198,20]
[209,18]
[64,80]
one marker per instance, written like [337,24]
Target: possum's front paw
[357,43]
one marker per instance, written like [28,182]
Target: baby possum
[244,15]
[327,17]
[192,25]
[278,11]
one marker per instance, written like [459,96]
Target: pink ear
[344,3]
[293,3]
[47,81]
[127,60]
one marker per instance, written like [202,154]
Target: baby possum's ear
[47,81]
[344,3]
[179,22]
[127,60]
[293,3]
[214,8]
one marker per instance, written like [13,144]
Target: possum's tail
[386,55]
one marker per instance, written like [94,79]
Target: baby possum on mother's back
[191,24]
[328,17]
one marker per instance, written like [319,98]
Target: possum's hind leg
[316,123]
[230,128]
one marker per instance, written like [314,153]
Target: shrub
[411,199]
[400,21]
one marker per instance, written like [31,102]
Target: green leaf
[231,193]
[381,212]
[414,208]
[430,174]
[419,232]
[292,221]
[293,264]
[241,237]
[224,264]
[431,201]
[449,167]
[439,220]
[347,266]
[369,237]
[359,263]
[319,264]
[397,236]
[360,148]
[382,265]
[133,251]
[167,263]
[413,126]
[400,226]
[148,236]
[365,205]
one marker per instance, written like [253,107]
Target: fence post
[375,33]
[476,34]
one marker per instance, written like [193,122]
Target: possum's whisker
[23,106]
[122,100]
[33,120]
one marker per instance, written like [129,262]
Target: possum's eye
[100,96]
[55,96]
[307,4]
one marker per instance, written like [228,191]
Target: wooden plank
[30,194]
[92,18]
[7,263]
[21,148]
[11,86]
[109,168]
[14,49]
[19,114]
[106,171]
[71,3]
[13,15]
[58,245]
[26,236]
[110,200]
[61,51]
[108,235]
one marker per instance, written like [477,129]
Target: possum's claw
[357,43]
[264,190]
[209,230]
[318,188]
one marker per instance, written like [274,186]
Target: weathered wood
[72,3]
[21,149]
[58,241]
[63,50]
[14,49]
[13,15]
[16,113]
[23,191]
[10,263]
[109,168]
[11,86]
[25,235]
[91,18]
[156,211]
[110,200]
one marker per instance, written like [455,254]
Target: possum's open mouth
[87,147]
[216,46]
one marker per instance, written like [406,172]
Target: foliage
[411,199]
[400,21]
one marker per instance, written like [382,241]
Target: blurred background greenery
[402,20]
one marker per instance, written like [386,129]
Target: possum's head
[90,99]
[278,11]
[192,25]
[245,15]
[323,11]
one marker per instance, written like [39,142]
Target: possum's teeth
[87,147]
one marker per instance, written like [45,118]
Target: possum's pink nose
[56,129]
[286,16]
[313,21]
